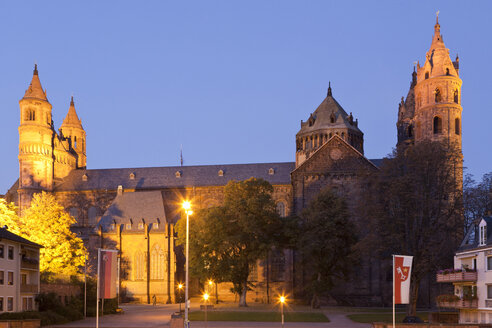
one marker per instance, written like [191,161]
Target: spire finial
[71,101]
[329,89]
[35,72]
[437,27]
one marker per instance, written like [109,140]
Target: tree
[476,199]
[326,238]
[8,216]
[226,241]
[414,206]
[47,224]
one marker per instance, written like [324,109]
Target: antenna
[181,155]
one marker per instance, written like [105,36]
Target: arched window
[30,115]
[75,142]
[457,126]
[437,125]
[332,118]
[157,263]
[437,95]
[278,265]
[426,75]
[92,215]
[281,209]
[74,212]
[410,131]
[343,135]
[456,100]
[139,267]
[447,71]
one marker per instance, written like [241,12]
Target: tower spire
[329,89]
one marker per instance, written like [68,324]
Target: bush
[47,317]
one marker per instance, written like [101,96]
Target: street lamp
[180,289]
[205,298]
[187,207]
[282,301]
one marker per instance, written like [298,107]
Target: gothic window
[457,126]
[30,115]
[330,135]
[437,125]
[139,267]
[410,131]
[447,71]
[437,95]
[343,135]
[75,142]
[157,263]
[74,212]
[426,75]
[332,118]
[281,209]
[456,96]
[278,265]
[92,215]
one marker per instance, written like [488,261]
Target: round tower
[72,130]
[438,95]
[35,142]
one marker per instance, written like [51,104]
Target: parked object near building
[19,272]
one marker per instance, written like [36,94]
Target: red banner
[108,279]
[402,266]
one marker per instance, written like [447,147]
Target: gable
[335,156]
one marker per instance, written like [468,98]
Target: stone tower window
[456,96]
[410,131]
[31,115]
[437,95]
[437,125]
[447,71]
[332,118]
[426,75]
[457,126]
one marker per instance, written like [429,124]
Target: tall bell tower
[35,143]
[438,95]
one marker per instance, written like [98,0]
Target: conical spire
[35,89]
[72,120]
[437,41]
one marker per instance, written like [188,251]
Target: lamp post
[187,207]
[205,298]
[180,290]
[282,301]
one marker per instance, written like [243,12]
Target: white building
[19,272]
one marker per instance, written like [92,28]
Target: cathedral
[134,210]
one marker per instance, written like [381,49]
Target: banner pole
[97,293]
[393,291]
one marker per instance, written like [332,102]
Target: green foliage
[326,238]
[225,241]
[46,223]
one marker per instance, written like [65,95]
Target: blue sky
[232,80]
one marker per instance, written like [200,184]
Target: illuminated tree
[47,224]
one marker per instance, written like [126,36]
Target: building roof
[35,89]
[329,115]
[72,120]
[5,234]
[132,207]
[471,240]
[174,176]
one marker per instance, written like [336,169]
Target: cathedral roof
[149,178]
[132,207]
[328,115]
[72,120]
[35,90]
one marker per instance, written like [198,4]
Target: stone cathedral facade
[134,210]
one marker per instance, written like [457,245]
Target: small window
[10,278]
[1,304]
[410,131]
[132,176]
[140,226]
[437,125]
[271,171]
[426,75]
[447,71]
[483,235]
[112,226]
[281,209]
[23,279]
[456,100]
[11,253]
[457,126]
[2,277]
[332,118]
[92,215]
[178,174]
[74,212]
[128,226]
[489,263]
[489,291]
[10,304]
[437,95]
[221,173]
[2,251]
[155,225]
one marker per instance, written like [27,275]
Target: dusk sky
[232,80]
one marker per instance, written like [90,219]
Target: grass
[258,316]
[383,317]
